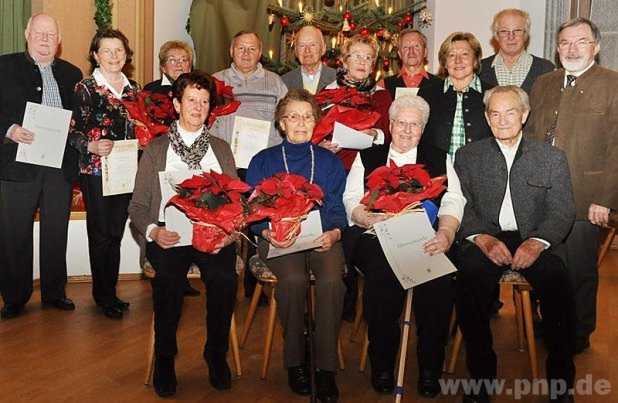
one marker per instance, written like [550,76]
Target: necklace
[287,168]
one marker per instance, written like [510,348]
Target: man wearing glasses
[575,108]
[513,65]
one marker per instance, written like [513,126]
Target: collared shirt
[102,82]
[453,201]
[514,75]
[165,80]
[311,81]
[458,135]
[51,92]
[579,73]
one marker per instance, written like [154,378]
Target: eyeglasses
[48,35]
[307,46]
[417,47]
[175,62]
[403,125]
[505,33]
[361,57]
[296,118]
[246,49]
[110,52]
[580,44]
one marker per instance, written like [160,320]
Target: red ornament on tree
[285,21]
[407,18]
[380,33]
[352,26]
[347,15]
[364,32]
[386,64]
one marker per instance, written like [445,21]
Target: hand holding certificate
[249,137]
[175,220]
[346,137]
[119,168]
[405,91]
[402,238]
[50,127]
[310,230]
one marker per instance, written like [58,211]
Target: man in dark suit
[34,76]
[519,210]
[575,108]
[513,65]
[312,74]
[412,51]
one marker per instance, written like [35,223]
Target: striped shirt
[458,135]
[516,74]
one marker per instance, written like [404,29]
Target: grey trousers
[291,295]
[581,262]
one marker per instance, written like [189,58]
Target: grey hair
[579,21]
[524,102]
[410,101]
[511,11]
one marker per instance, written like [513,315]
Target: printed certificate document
[119,168]
[402,238]
[346,137]
[310,229]
[249,137]
[175,220]
[402,91]
[50,127]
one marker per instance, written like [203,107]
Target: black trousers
[219,275]
[581,263]
[383,304]
[106,217]
[476,279]
[51,193]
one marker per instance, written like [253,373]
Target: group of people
[528,152]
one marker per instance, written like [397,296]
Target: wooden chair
[267,279]
[606,243]
[523,315]
[150,357]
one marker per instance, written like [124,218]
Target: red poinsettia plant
[215,204]
[151,113]
[285,199]
[227,102]
[392,189]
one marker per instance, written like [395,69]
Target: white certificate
[402,238]
[50,127]
[175,220]
[119,168]
[403,91]
[346,137]
[310,229]
[249,137]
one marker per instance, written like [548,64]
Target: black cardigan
[539,66]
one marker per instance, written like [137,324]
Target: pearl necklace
[285,161]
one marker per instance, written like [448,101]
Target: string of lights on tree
[339,21]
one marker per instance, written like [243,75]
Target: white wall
[476,16]
[170,22]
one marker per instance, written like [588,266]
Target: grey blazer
[294,79]
[540,186]
[539,66]
[146,199]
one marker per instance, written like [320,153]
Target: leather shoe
[566,398]
[219,373]
[582,345]
[10,311]
[383,381]
[476,398]
[121,305]
[326,386]
[112,312]
[64,304]
[164,377]
[190,291]
[299,381]
[428,385]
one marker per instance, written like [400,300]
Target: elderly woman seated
[188,146]
[296,115]
[384,296]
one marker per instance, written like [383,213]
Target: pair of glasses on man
[580,44]
[505,33]
[296,118]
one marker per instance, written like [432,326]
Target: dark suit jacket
[539,66]
[540,187]
[294,79]
[438,131]
[155,86]
[587,131]
[146,198]
[22,83]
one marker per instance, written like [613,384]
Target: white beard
[574,65]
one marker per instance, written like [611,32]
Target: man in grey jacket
[312,74]
[519,210]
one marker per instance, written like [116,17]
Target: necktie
[570,80]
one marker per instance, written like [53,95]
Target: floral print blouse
[98,114]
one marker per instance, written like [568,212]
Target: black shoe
[383,381]
[299,381]
[428,385]
[164,377]
[112,312]
[191,292]
[64,304]
[476,398]
[566,398]
[219,373]
[10,311]
[123,306]
[326,387]
[582,345]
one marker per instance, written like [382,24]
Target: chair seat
[261,271]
